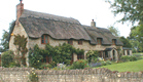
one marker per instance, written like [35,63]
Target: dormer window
[99,41]
[114,42]
[44,39]
[70,42]
[79,42]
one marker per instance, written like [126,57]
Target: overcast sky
[82,10]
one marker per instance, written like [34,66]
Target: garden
[59,58]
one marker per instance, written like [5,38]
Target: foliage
[126,42]
[60,54]
[132,9]
[128,58]
[35,57]
[80,64]
[91,55]
[136,37]
[4,41]
[7,58]
[21,42]
[114,31]
[33,77]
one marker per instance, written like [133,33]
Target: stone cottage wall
[85,45]
[86,75]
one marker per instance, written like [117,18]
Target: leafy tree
[35,58]
[136,37]
[114,31]
[7,57]
[91,55]
[126,42]
[132,9]
[4,41]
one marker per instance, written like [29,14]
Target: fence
[85,75]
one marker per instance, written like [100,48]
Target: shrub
[103,63]
[133,58]
[7,58]
[80,64]
[125,58]
[13,64]
[91,56]
[138,56]
[108,62]
[129,58]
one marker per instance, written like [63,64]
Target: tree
[114,31]
[4,41]
[126,42]
[136,37]
[21,42]
[132,9]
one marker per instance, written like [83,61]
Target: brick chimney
[19,8]
[93,24]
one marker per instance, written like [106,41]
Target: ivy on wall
[59,54]
[20,42]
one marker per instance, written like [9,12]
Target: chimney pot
[93,24]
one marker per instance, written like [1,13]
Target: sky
[82,10]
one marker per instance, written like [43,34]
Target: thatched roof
[102,33]
[36,24]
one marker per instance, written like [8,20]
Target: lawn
[134,66]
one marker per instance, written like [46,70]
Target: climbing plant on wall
[20,42]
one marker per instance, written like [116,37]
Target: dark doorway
[114,57]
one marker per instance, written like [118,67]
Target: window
[99,41]
[70,42]
[80,42]
[80,57]
[113,41]
[44,39]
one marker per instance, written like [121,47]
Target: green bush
[125,58]
[13,64]
[138,56]
[7,58]
[129,58]
[108,62]
[80,64]
[92,55]
[103,63]
[133,58]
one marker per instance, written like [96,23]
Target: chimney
[20,8]
[93,24]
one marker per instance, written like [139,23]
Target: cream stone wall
[18,29]
[85,45]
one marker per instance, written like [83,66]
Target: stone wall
[86,75]
[85,44]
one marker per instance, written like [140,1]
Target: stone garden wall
[86,75]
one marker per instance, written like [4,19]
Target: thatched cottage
[42,28]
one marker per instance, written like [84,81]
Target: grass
[134,66]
